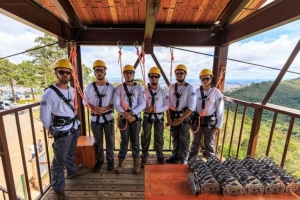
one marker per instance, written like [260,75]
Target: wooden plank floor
[107,185]
[156,182]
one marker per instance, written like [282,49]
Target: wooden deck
[156,182]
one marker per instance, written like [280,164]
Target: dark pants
[158,139]
[108,130]
[131,132]
[181,142]
[209,141]
[64,150]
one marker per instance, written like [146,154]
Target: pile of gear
[232,177]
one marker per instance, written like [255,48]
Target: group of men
[138,108]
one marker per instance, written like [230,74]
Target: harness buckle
[61,122]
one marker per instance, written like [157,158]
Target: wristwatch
[180,119]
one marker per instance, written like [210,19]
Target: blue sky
[271,48]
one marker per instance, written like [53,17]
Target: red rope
[73,61]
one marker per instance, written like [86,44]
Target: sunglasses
[64,72]
[129,72]
[205,79]
[179,73]
[156,77]
[102,71]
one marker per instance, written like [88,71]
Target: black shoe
[143,163]
[98,166]
[161,160]
[110,165]
[172,159]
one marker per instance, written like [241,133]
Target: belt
[62,121]
[97,123]
[106,113]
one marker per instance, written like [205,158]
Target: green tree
[86,74]
[8,74]
[27,76]
[45,57]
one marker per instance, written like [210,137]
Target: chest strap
[100,97]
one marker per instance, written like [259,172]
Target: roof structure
[164,22]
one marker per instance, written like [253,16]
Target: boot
[120,166]
[136,167]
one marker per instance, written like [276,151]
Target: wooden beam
[264,19]
[161,37]
[220,62]
[151,16]
[34,15]
[67,13]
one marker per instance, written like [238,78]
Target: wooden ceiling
[170,12]
[163,22]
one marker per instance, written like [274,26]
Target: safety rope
[123,104]
[141,58]
[73,61]
[203,113]
[171,72]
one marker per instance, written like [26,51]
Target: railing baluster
[271,133]
[287,141]
[233,127]
[23,155]
[6,164]
[241,132]
[225,129]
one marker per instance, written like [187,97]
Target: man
[157,104]
[40,145]
[129,101]
[182,104]
[210,101]
[99,94]
[32,149]
[58,116]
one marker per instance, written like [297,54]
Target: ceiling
[163,22]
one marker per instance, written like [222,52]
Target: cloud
[271,48]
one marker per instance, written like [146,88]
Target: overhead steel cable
[235,60]
[29,50]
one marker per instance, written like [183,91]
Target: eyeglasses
[102,71]
[156,77]
[179,73]
[205,79]
[129,73]
[64,72]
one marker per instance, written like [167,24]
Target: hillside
[286,94]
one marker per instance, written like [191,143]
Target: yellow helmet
[99,63]
[128,68]
[64,63]
[205,72]
[182,67]
[154,70]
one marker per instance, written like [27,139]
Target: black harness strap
[203,97]
[152,101]
[62,97]
[129,94]
[178,94]
[100,96]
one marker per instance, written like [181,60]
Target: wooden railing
[20,127]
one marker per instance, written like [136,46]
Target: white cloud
[271,49]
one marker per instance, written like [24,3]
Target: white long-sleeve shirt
[216,104]
[52,104]
[138,99]
[92,98]
[187,98]
[161,101]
